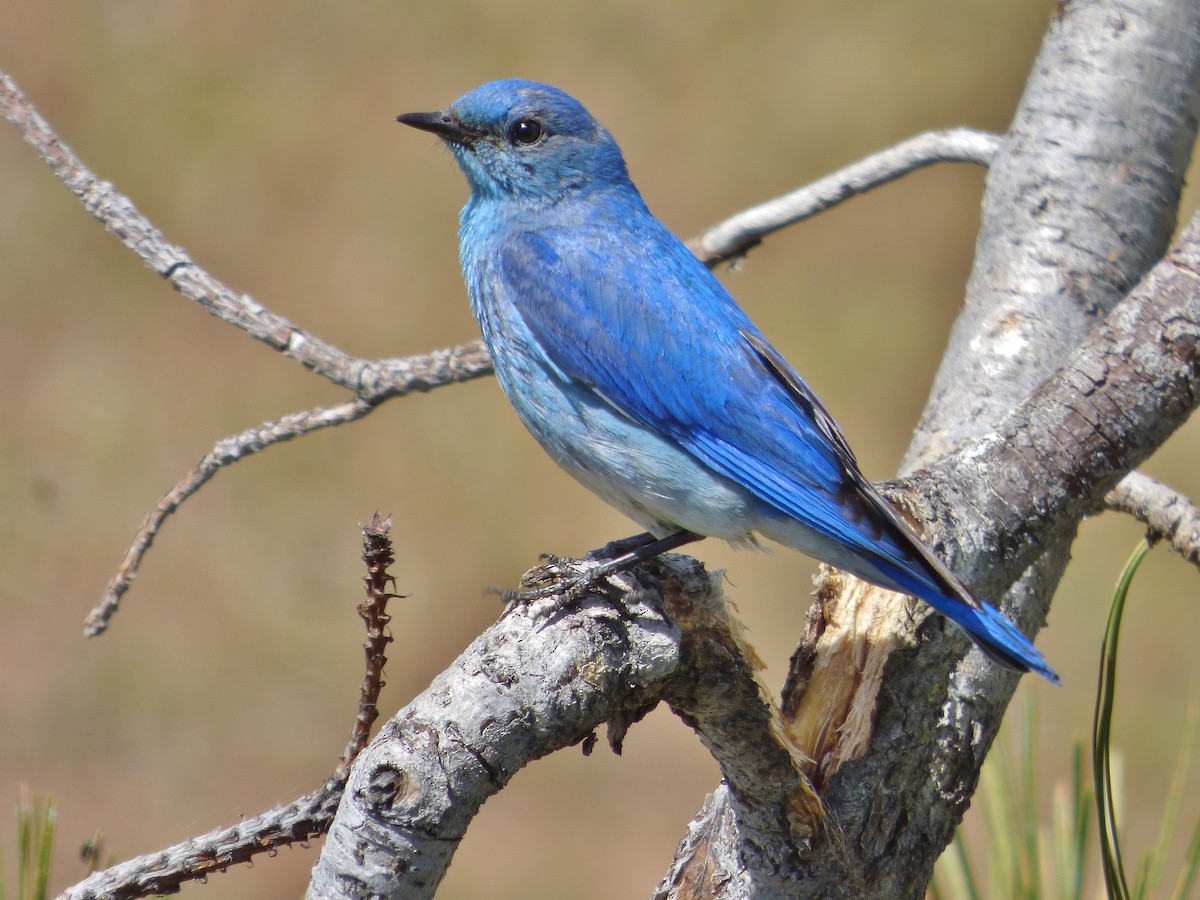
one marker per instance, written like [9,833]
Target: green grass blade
[970,890]
[1191,864]
[955,871]
[1141,881]
[24,838]
[1031,885]
[45,849]
[36,822]
[1003,863]
[1081,799]
[1070,821]
[1110,848]
[1175,793]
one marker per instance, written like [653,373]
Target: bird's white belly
[645,476]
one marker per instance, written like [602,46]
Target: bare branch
[383,379]
[1080,203]
[516,694]
[163,872]
[718,692]
[226,451]
[378,555]
[1056,457]
[135,231]
[707,863]
[371,380]
[742,231]
[1168,515]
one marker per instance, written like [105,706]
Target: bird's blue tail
[994,634]
[897,558]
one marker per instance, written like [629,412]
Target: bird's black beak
[444,124]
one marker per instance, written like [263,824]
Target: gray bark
[512,696]
[530,686]
[1079,204]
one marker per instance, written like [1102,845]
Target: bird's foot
[557,583]
[551,587]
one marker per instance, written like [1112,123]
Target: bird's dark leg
[621,546]
[615,557]
[637,549]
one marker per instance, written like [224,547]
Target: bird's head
[523,140]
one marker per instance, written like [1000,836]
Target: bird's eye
[525,131]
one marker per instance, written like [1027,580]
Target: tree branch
[369,380]
[1069,222]
[1168,515]
[741,232]
[516,694]
[384,379]
[226,451]
[165,871]
[1078,206]
[1055,458]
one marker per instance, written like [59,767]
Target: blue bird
[638,373]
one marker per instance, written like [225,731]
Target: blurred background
[264,143]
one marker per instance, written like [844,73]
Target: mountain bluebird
[639,374]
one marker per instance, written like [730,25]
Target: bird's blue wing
[666,345]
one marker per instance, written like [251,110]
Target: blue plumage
[639,374]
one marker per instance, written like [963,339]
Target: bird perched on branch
[638,373]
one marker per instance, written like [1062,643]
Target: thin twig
[737,234]
[135,231]
[384,379]
[308,817]
[1168,515]
[226,451]
[369,379]
[164,871]
[378,555]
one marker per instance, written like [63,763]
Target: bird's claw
[555,589]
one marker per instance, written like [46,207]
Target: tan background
[260,137]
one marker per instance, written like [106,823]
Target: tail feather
[928,578]
[995,635]
[871,539]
